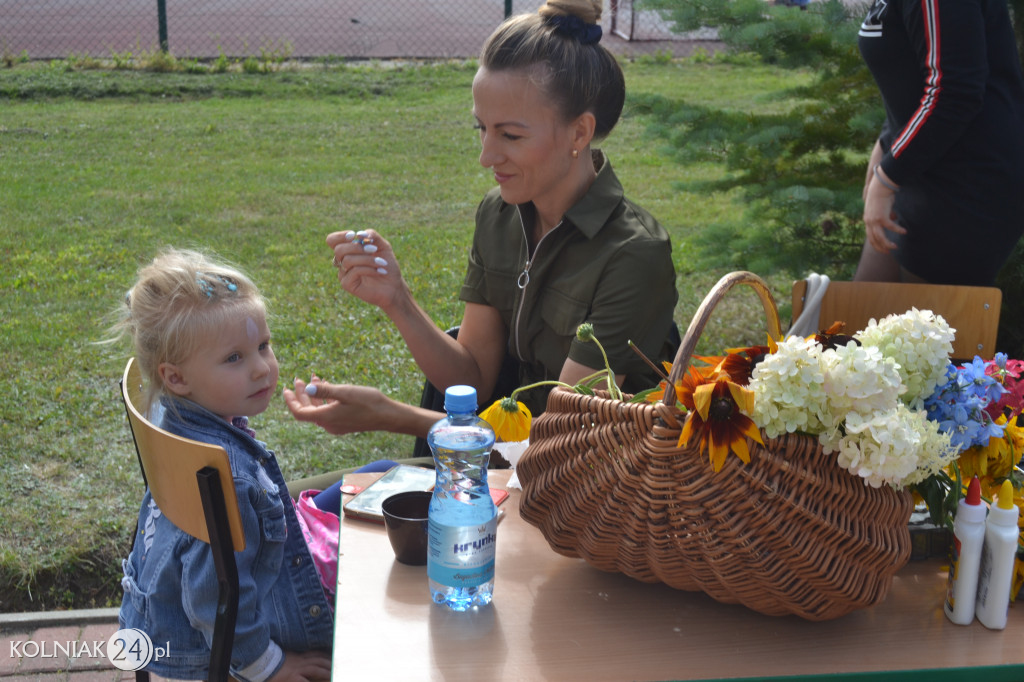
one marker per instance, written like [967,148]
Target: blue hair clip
[574,27]
[207,287]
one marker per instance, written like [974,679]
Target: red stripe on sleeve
[933,83]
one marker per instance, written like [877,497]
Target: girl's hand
[367,267]
[308,666]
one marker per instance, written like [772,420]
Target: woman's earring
[575,153]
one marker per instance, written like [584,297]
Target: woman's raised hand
[367,267]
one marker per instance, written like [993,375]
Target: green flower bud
[585,332]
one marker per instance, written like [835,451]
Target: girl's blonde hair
[178,299]
[575,72]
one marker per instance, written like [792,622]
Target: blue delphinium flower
[959,405]
[962,429]
[983,385]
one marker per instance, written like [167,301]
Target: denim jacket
[170,584]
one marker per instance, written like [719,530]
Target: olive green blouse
[608,262]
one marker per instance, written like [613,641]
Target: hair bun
[587,10]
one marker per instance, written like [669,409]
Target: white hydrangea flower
[860,379]
[788,386]
[863,401]
[896,447]
[935,453]
[920,342]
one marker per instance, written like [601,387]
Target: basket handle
[700,319]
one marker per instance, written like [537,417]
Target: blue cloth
[329,500]
[170,582]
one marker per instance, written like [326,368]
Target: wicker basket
[789,533]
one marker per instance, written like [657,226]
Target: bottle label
[984,574]
[954,569]
[461,556]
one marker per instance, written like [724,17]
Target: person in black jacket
[944,190]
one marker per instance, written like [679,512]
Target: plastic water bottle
[462,519]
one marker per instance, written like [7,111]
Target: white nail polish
[350,234]
[380,261]
[370,248]
[382,271]
[310,389]
[361,233]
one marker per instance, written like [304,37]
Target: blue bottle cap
[460,399]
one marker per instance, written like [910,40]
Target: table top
[557,618]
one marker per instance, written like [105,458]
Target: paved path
[59,647]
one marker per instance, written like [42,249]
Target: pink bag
[321,530]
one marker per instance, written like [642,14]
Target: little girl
[202,342]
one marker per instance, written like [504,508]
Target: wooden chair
[972,311]
[191,483]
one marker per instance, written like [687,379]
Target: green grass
[101,168]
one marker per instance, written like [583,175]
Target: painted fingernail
[350,235]
[380,261]
[382,271]
[310,389]
[370,248]
[361,233]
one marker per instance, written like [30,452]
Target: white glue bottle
[968,537]
[1000,548]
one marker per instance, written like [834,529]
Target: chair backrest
[972,311]
[169,465]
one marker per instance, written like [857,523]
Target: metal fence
[44,29]
[627,19]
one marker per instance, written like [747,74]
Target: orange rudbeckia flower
[718,416]
[656,395]
[740,362]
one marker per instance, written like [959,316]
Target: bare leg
[875,266]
